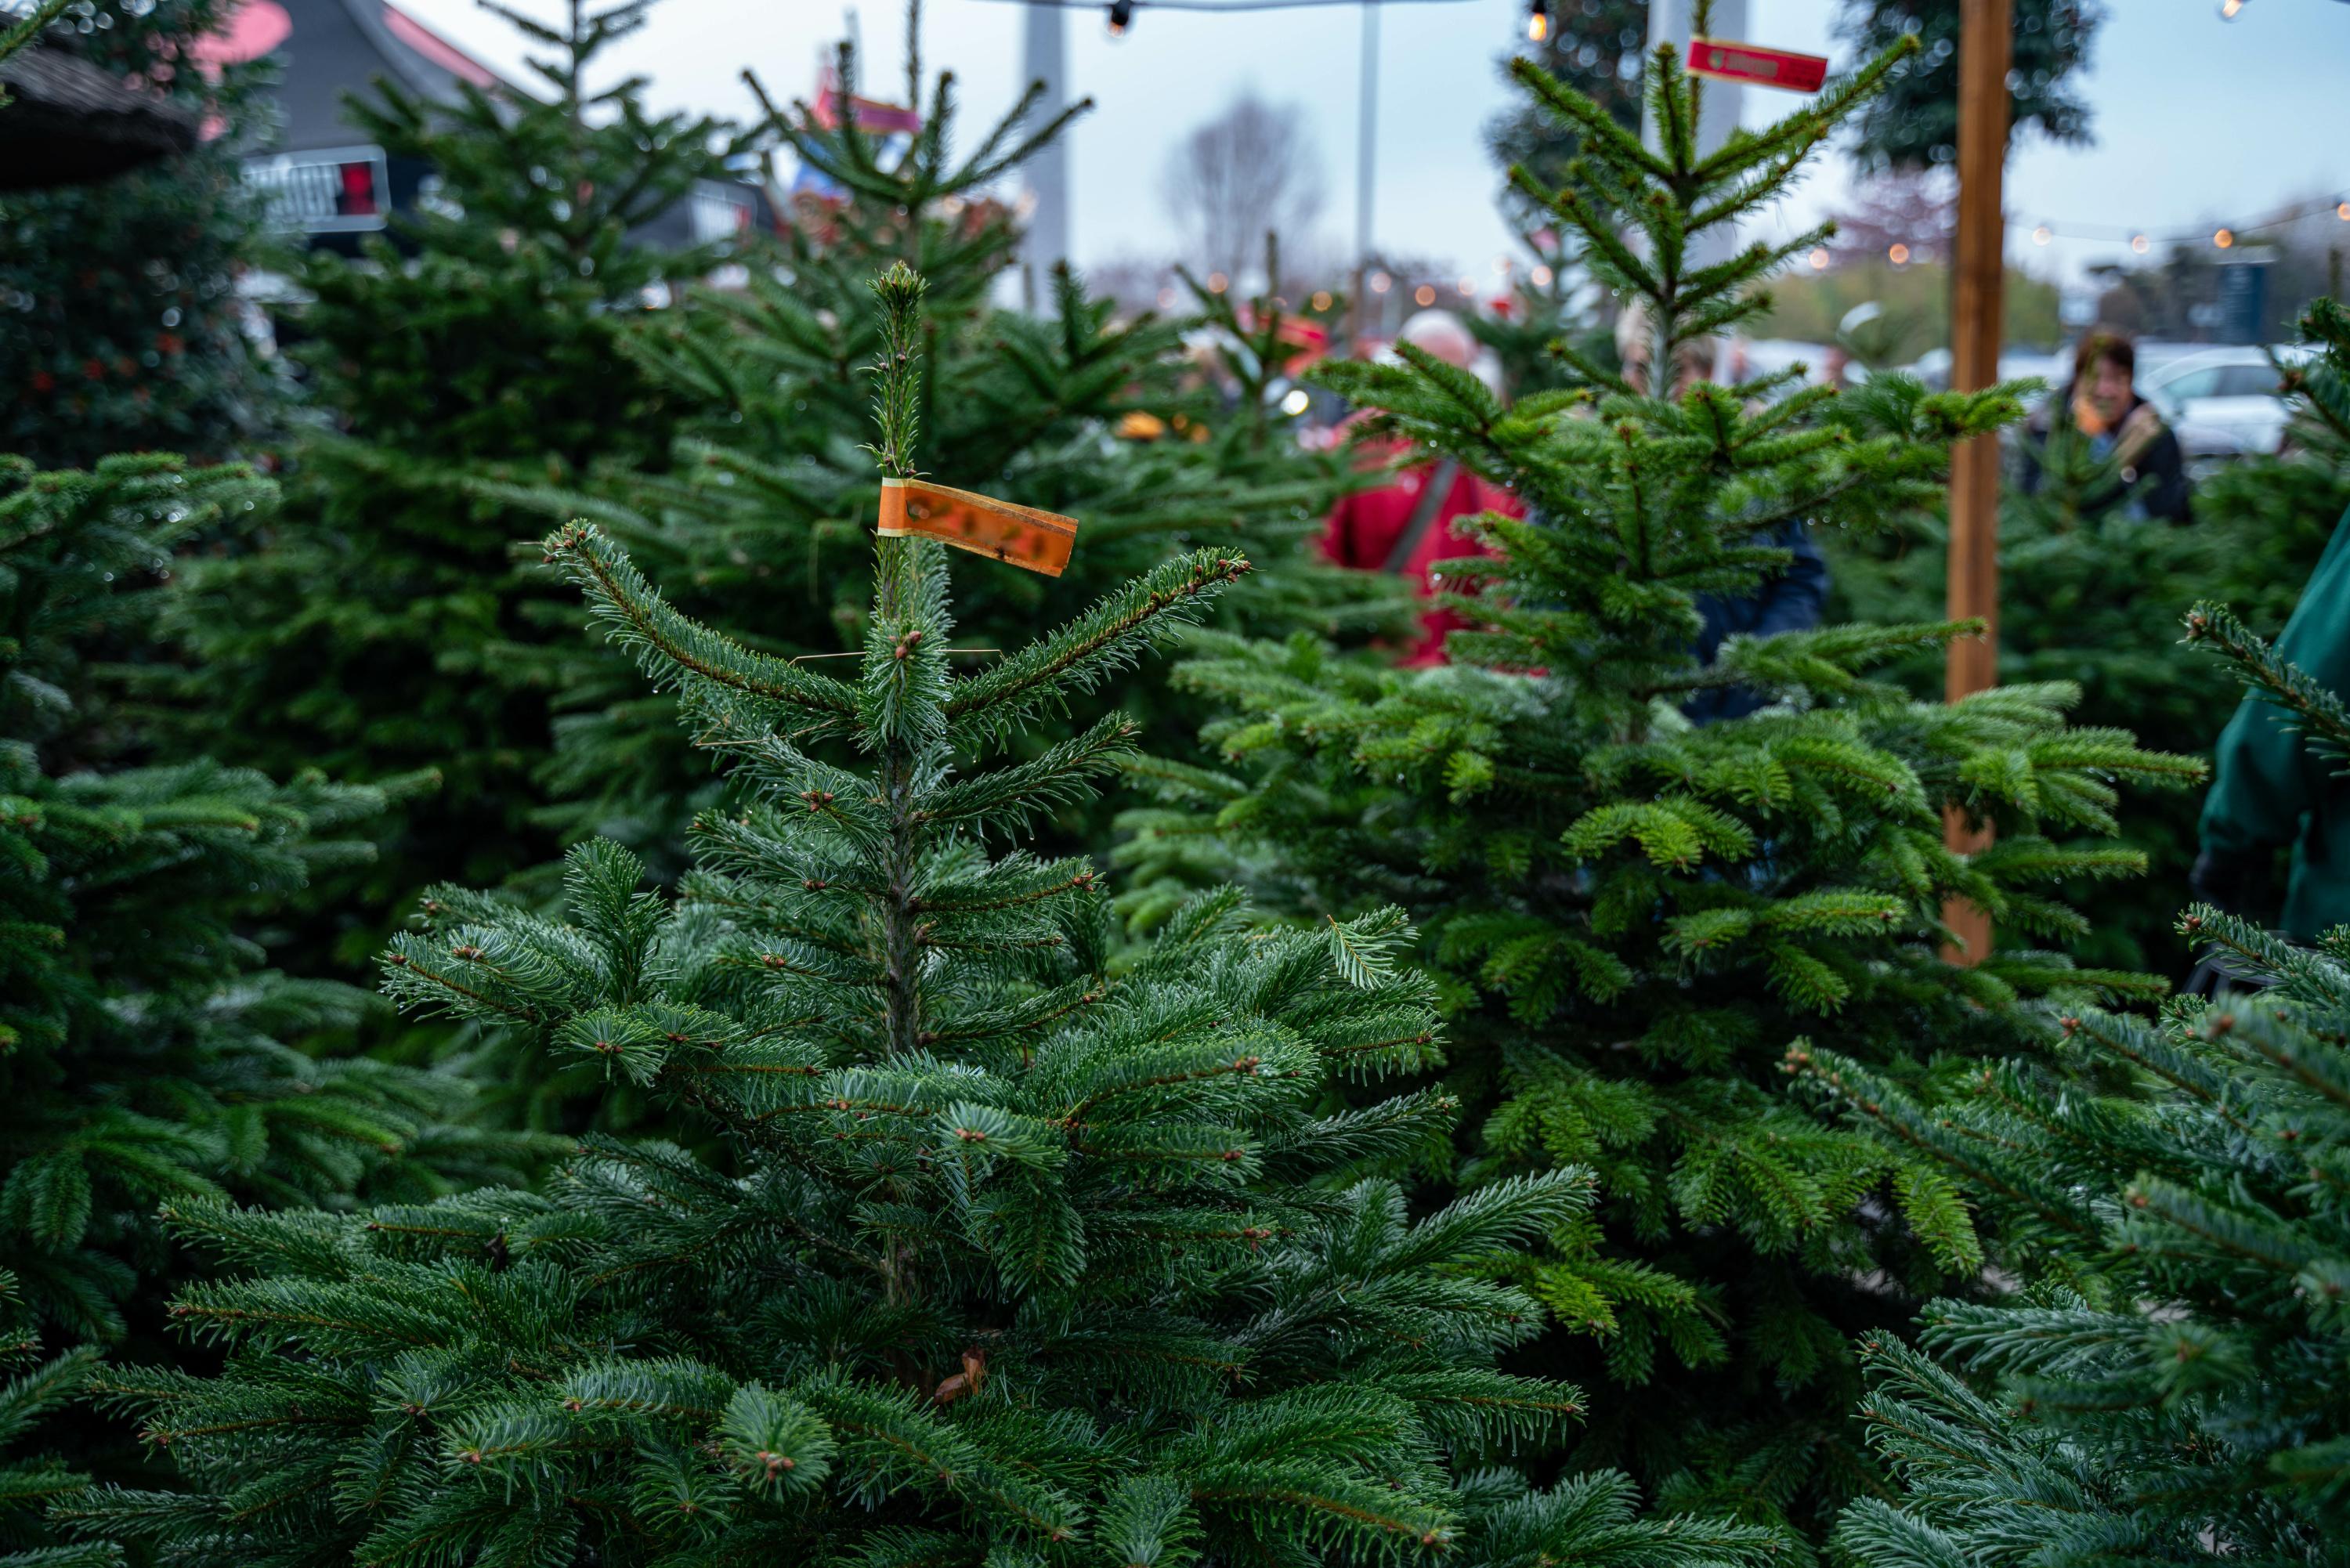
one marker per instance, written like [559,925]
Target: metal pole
[1366,159]
[1976,280]
[1674,22]
[1046,172]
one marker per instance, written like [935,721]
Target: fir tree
[125,329]
[2170,1387]
[1632,913]
[1915,122]
[1032,1257]
[147,1053]
[760,523]
[36,1386]
[382,625]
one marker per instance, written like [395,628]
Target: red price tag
[1764,67]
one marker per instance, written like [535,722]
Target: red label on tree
[1764,67]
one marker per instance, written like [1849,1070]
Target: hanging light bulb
[1897,254]
[1121,17]
[2224,238]
[2140,244]
[2228,9]
[2343,211]
[2043,234]
[1538,22]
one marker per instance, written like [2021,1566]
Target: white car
[2221,403]
[1933,368]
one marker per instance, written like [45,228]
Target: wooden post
[1976,320]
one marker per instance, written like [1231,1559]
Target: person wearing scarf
[2120,427]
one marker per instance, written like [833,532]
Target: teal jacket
[2267,790]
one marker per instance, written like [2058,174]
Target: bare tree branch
[1251,169]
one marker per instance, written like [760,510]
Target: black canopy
[66,122]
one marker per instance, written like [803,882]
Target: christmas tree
[2170,1386]
[1031,1256]
[1641,870]
[125,325]
[760,522]
[381,626]
[1914,123]
[38,1386]
[147,1052]
[759,525]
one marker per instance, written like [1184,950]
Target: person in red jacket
[1405,526]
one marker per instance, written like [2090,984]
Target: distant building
[326,183]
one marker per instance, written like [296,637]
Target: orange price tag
[1019,535]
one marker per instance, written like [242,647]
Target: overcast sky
[2198,119]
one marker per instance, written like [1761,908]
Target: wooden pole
[1976,314]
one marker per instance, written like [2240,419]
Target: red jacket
[1364,527]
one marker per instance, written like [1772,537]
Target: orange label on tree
[1751,63]
[1019,536]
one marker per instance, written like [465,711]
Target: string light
[2228,9]
[1121,16]
[1502,265]
[1424,295]
[2118,235]
[1166,300]
[1381,283]
[1819,258]
[1538,22]
[1218,283]
[2138,240]
[1468,286]
[1321,300]
[1541,276]
[1296,403]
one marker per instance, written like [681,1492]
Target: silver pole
[1674,22]
[1366,137]
[1046,174]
